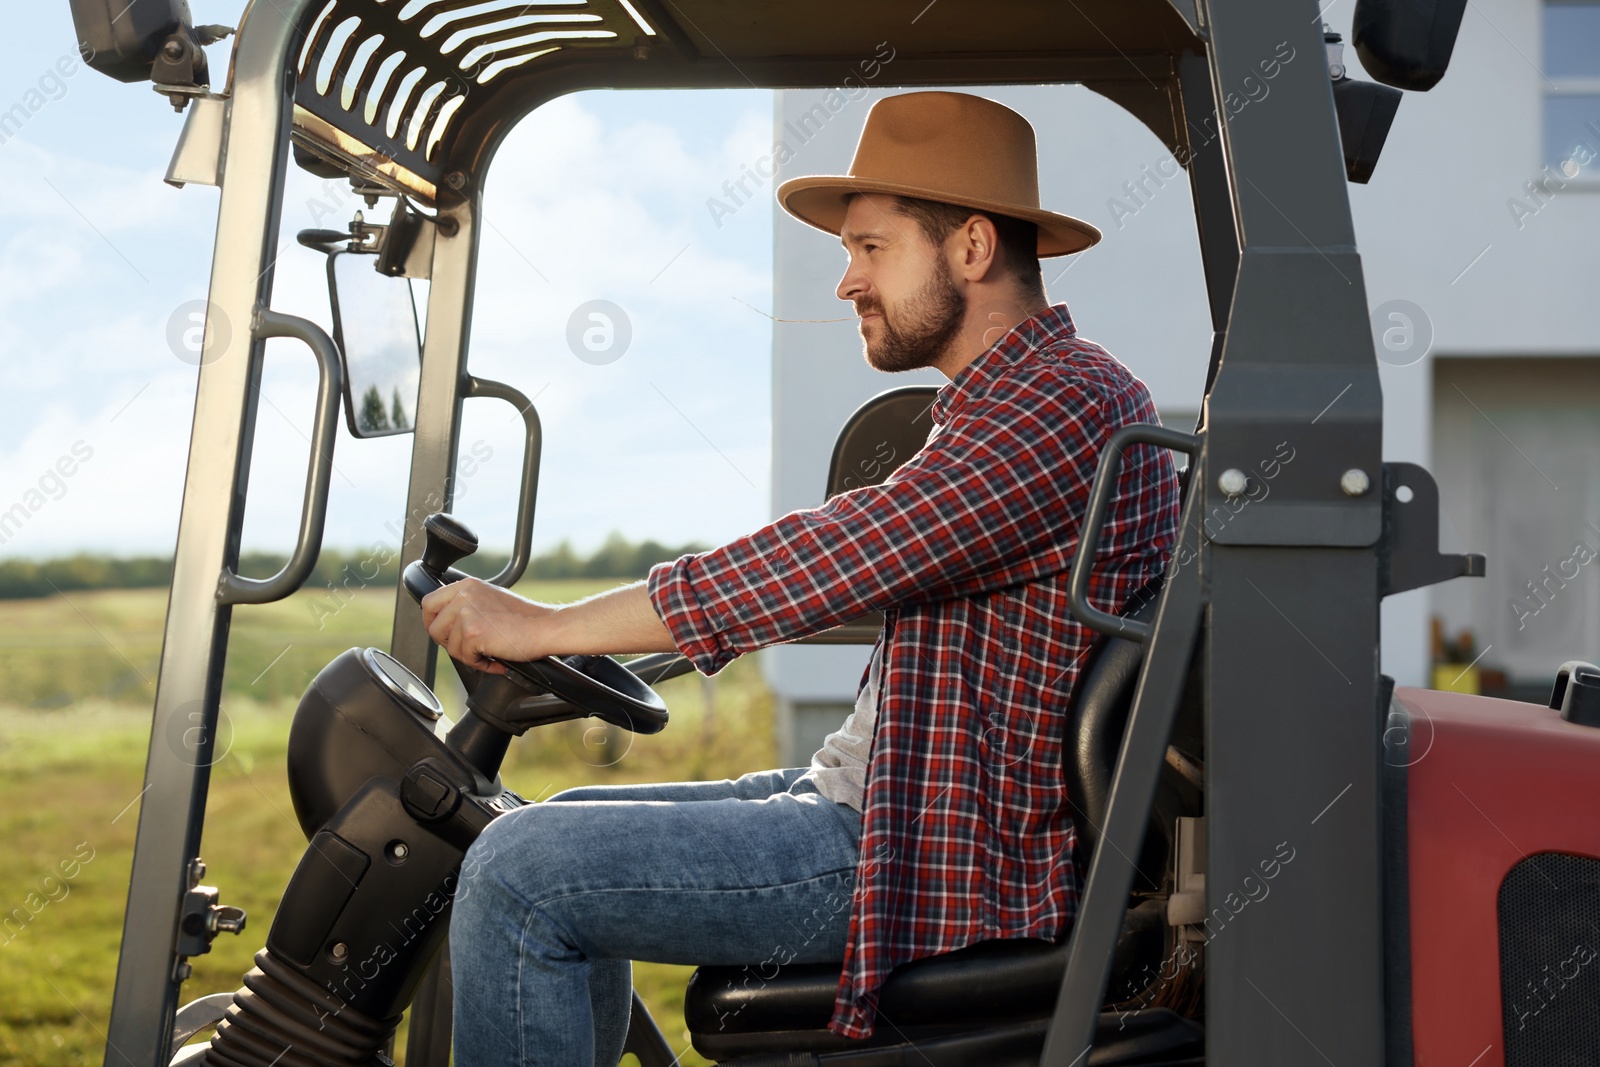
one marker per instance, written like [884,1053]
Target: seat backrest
[1097,714]
[882,434]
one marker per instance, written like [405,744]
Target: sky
[597,196]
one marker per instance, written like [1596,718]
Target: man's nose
[852,285]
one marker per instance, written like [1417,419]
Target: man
[935,816]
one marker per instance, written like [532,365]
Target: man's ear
[980,248]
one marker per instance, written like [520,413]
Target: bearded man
[936,816]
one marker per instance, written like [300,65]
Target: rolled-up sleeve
[989,489]
[672,592]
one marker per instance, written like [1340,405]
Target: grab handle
[1105,486]
[235,588]
[533,443]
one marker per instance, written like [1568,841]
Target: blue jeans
[556,898]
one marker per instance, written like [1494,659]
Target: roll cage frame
[1276,603]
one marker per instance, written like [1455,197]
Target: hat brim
[821,200]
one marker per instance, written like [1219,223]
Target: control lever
[449,542]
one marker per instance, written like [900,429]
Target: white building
[1482,216]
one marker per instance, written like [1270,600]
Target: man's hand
[473,620]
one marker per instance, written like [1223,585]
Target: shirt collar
[1024,339]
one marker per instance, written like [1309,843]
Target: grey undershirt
[839,767]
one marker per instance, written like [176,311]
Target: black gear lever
[449,542]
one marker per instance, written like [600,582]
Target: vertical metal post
[1098,927]
[437,436]
[428,1041]
[188,692]
[1213,204]
[433,455]
[1294,975]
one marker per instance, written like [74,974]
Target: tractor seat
[988,1003]
[1007,989]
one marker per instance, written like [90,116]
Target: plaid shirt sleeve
[972,511]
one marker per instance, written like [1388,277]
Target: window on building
[1572,88]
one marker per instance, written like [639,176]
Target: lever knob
[449,540]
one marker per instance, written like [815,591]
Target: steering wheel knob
[449,540]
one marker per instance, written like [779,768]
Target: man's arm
[472,620]
[973,511]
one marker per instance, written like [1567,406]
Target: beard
[919,330]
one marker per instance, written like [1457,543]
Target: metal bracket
[198,155]
[180,69]
[1293,490]
[1411,558]
[203,918]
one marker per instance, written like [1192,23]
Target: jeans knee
[519,857]
[477,881]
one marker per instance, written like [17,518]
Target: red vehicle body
[1491,788]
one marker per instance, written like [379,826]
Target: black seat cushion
[1008,987]
[742,1010]
[996,980]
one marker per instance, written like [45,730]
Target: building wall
[1451,222]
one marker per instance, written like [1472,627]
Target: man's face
[900,283]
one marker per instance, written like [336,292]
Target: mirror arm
[522,539]
[233,588]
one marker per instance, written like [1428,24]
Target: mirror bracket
[406,247]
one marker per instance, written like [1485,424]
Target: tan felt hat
[951,147]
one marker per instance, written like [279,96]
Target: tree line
[617,557]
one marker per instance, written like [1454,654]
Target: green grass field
[77,677]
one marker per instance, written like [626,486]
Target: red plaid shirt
[966,834]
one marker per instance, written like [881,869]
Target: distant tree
[614,559]
[23,579]
[372,418]
[397,413]
[649,554]
[343,571]
[558,562]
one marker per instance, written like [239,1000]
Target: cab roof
[408,93]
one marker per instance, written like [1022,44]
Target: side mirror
[375,327]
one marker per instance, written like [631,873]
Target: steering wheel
[599,685]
